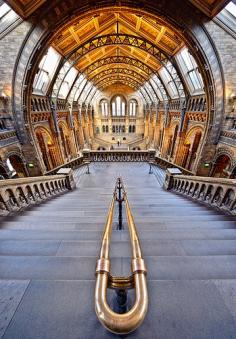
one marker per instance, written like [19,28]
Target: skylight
[231,7]
[190,71]
[47,68]
[4,9]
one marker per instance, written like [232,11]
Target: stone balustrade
[216,192]
[229,134]
[119,155]
[18,194]
[6,134]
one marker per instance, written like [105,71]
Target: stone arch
[225,151]
[3,171]
[104,106]
[17,161]
[48,149]
[132,111]
[221,166]
[65,139]
[193,142]
[172,147]
[233,172]
[113,100]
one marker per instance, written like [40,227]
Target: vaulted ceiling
[114,45]
[117,59]
[27,7]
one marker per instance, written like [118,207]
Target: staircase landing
[48,256]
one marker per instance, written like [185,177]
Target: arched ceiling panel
[111,23]
[26,8]
[113,46]
[116,43]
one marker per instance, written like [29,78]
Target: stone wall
[226,48]
[10,47]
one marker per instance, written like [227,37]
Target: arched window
[133,108]
[118,106]
[104,108]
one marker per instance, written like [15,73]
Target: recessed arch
[18,164]
[221,166]
[3,171]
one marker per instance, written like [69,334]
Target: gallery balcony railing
[131,156]
[121,155]
[215,192]
[125,320]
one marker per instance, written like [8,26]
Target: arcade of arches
[126,77]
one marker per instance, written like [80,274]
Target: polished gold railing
[116,322]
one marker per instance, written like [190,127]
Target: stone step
[118,248]
[136,212]
[85,234]
[60,309]
[154,226]
[138,218]
[83,268]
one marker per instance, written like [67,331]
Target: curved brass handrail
[115,322]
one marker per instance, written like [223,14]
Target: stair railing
[219,193]
[133,318]
[20,193]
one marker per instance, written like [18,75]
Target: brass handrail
[115,322]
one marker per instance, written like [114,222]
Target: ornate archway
[49,149]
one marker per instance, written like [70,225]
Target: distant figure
[118,142]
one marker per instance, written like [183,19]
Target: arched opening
[3,173]
[191,148]
[66,142]
[194,149]
[233,174]
[49,151]
[221,166]
[104,107]
[186,151]
[118,106]
[17,166]
[133,107]
[173,144]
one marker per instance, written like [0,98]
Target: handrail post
[120,301]
[150,168]
[87,164]
[120,200]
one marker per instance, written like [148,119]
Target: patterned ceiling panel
[27,7]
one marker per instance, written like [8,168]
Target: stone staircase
[48,256]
